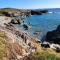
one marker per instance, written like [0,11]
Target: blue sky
[30,4]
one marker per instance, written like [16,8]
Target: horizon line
[29,8]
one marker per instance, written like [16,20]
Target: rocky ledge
[54,36]
[53,39]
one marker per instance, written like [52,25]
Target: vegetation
[4,11]
[8,9]
[2,45]
[44,56]
[14,11]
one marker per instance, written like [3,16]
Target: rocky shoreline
[19,43]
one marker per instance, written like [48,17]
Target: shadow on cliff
[53,36]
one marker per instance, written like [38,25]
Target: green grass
[44,56]
[8,9]
[1,14]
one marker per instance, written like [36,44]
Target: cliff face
[54,36]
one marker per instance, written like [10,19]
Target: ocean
[43,23]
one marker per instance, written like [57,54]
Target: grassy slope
[7,10]
[41,54]
[8,50]
[44,54]
[3,39]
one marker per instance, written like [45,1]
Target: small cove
[41,24]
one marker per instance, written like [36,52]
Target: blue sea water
[43,23]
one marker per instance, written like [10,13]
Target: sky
[30,4]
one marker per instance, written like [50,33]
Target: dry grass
[8,51]
[14,49]
[2,45]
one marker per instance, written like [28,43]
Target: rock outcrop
[35,12]
[38,12]
[54,36]
[17,21]
[25,27]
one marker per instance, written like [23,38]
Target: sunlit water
[42,23]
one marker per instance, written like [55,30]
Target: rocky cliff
[16,44]
[54,36]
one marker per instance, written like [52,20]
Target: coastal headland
[17,44]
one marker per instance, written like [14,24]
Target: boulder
[53,36]
[45,45]
[25,26]
[56,47]
[57,50]
[15,21]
